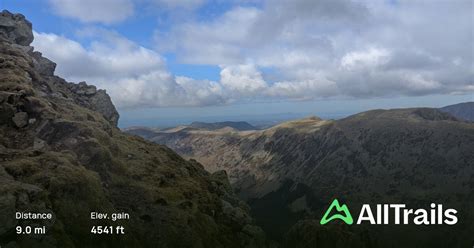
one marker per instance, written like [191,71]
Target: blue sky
[171,62]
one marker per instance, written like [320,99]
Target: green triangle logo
[345,216]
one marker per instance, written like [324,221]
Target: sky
[168,62]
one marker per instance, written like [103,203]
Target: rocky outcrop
[90,97]
[61,153]
[16,31]
[14,28]
[43,65]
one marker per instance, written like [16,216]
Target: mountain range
[289,173]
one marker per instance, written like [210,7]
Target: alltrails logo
[346,217]
[391,214]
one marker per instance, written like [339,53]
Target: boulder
[20,119]
[97,100]
[38,144]
[44,66]
[237,215]
[102,103]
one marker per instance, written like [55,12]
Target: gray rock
[14,28]
[20,119]
[91,90]
[83,89]
[98,100]
[25,49]
[43,65]
[236,214]
[38,144]
[102,103]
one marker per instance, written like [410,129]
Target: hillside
[463,110]
[62,153]
[415,156]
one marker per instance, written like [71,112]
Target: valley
[413,156]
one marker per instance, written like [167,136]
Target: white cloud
[137,77]
[336,48]
[219,42]
[299,49]
[187,4]
[104,11]
[110,54]
[370,58]
[133,75]
[303,89]
[161,89]
[243,79]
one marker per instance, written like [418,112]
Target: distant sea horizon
[260,121]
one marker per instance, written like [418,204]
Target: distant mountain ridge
[237,125]
[463,110]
